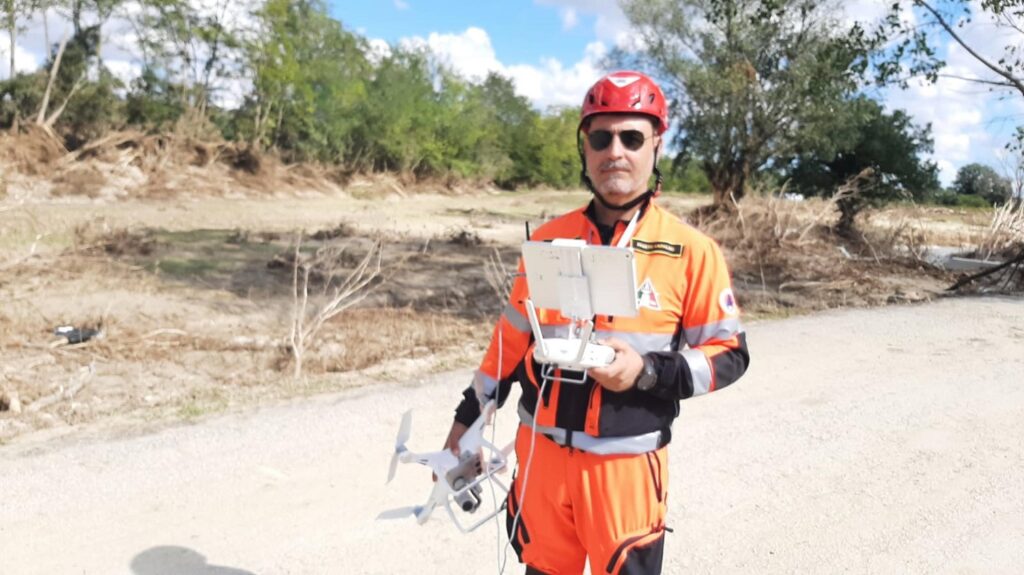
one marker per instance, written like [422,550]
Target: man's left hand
[621,374]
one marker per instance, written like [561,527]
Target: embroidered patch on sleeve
[645,247]
[727,302]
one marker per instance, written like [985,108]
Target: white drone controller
[570,354]
[578,280]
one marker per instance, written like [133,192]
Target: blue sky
[521,31]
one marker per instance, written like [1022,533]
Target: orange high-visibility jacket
[688,324]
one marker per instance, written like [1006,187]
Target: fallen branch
[974,277]
[164,331]
[74,386]
[113,140]
[48,124]
[18,261]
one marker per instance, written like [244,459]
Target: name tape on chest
[665,248]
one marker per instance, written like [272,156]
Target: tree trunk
[12,32]
[847,218]
[46,30]
[41,116]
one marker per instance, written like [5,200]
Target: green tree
[154,102]
[751,80]
[401,115]
[188,44]
[983,182]
[879,155]
[309,77]
[683,174]
[556,163]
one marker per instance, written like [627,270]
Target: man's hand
[452,443]
[621,374]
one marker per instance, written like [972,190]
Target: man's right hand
[452,443]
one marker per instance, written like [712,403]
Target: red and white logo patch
[727,302]
[646,296]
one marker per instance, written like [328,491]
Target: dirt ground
[879,440]
[191,294]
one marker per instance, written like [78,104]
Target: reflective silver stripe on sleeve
[700,370]
[484,385]
[641,342]
[517,320]
[631,445]
[719,331]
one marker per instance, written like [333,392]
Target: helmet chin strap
[628,205]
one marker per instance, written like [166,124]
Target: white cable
[526,472]
[494,432]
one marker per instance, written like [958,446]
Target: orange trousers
[573,505]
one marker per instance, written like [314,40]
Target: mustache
[614,165]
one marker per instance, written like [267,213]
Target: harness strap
[631,445]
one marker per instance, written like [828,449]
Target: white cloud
[400,5]
[379,49]
[610,23]
[550,83]
[24,60]
[569,19]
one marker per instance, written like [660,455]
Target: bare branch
[977,80]
[60,110]
[74,386]
[304,329]
[41,116]
[1014,81]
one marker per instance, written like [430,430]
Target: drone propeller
[404,431]
[400,512]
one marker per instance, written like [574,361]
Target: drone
[460,478]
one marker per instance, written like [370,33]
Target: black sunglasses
[632,140]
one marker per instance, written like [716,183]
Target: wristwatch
[648,376]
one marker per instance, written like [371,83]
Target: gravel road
[885,440]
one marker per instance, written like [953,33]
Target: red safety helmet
[626,92]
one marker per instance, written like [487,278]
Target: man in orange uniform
[592,476]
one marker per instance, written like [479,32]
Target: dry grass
[1005,234]
[785,257]
[363,338]
[194,311]
[31,153]
[131,164]
[80,180]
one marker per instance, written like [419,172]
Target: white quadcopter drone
[459,478]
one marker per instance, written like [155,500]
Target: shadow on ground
[171,560]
